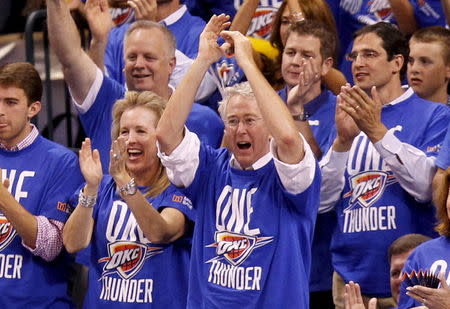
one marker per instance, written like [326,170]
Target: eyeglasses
[247,121]
[365,55]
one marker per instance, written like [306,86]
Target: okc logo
[262,22]
[7,232]
[368,187]
[380,8]
[235,247]
[127,258]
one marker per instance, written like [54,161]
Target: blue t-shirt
[42,178]
[261,23]
[97,121]
[321,111]
[443,158]
[128,271]
[186,30]
[252,238]
[433,255]
[374,209]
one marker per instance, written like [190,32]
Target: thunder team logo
[127,258]
[381,9]
[367,187]
[235,247]
[7,232]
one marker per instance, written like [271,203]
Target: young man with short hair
[38,177]
[307,58]
[429,64]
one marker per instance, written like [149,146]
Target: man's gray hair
[147,24]
[243,89]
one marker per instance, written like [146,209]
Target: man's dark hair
[394,42]
[24,76]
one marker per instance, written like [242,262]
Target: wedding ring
[115,156]
[357,107]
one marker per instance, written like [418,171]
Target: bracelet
[129,188]
[297,16]
[87,201]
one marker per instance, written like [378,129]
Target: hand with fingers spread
[117,164]
[309,75]
[365,110]
[144,9]
[99,18]
[90,166]
[353,298]
[241,46]
[432,298]
[209,50]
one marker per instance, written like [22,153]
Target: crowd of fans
[260,154]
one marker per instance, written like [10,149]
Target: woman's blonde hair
[154,103]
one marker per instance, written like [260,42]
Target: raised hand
[353,298]
[346,127]
[118,156]
[240,44]
[209,50]
[308,76]
[144,9]
[99,18]
[90,165]
[365,111]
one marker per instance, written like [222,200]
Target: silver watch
[128,189]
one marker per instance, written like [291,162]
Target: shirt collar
[408,93]
[257,165]
[27,141]
[175,16]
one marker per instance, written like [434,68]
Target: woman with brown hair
[133,218]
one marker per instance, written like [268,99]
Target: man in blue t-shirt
[307,57]
[378,173]
[149,60]
[255,201]
[37,179]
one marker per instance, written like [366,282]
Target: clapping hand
[91,166]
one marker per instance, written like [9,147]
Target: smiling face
[138,127]
[148,63]
[15,115]
[249,139]
[372,67]
[427,71]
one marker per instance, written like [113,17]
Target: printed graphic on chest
[236,248]
[7,232]
[126,258]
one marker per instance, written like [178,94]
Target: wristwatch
[129,188]
[301,117]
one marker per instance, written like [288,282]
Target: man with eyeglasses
[379,171]
[256,201]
